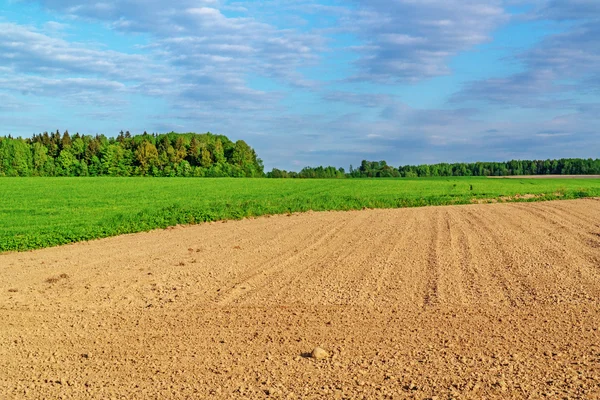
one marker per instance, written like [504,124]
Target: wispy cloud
[557,70]
[198,35]
[407,41]
[26,50]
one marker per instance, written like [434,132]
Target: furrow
[265,271]
[431,296]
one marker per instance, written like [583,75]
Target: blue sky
[309,82]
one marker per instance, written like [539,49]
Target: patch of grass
[43,212]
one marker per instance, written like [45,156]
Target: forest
[209,155]
[171,154]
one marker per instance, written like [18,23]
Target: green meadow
[43,212]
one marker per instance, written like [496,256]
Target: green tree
[15,158]
[115,161]
[78,148]
[180,150]
[205,158]
[67,163]
[147,156]
[218,152]
[65,142]
[194,153]
[40,159]
[242,154]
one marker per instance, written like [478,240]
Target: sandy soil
[466,302]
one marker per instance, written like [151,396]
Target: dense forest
[209,155]
[171,154]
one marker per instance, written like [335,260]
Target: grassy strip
[76,214]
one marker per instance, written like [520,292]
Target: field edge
[176,215]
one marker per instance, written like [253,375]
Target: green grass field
[43,212]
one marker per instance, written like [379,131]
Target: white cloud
[26,50]
[558,69]
[407,41]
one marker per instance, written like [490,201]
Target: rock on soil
[319,354]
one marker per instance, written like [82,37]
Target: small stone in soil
[319,354]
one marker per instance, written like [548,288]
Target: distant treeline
[209,155]
[380,169]
[171,154]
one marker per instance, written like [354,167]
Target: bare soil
[466,302]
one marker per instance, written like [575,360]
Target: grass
[43,212]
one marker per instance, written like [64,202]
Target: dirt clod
[319,354]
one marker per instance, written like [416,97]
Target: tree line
[210,155]
[171,154]
[380,169]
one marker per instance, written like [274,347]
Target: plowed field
[476,301]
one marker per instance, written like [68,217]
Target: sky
[313,82]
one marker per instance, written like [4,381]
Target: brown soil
[465,302]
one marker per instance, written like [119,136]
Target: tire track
[309,266]
[265,272]
[431,296]
[393,260]
[565,271]
[587,230]
[472,292]
[346,274]
[382,259]
[574,215]
[493,256]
